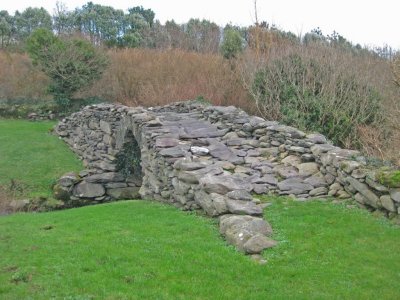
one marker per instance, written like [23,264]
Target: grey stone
[317,150]
[194,176]
[371,198]
[388,203]
[88,190]
[269,179]
[105,177]
[213,204]
[224,183]
[230,135]
[105,127]
[375,185]
[286,172]
[291,160]
[177,151]
[237,223]
[189,165]
[316,138]
[260,188]
[395,194]
[317,180]
[166,142]
[294,186]
[240,207]
[240,195]
[257,243]
[308,169]
[68,179]
[318,191]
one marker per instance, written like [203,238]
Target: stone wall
[212,158]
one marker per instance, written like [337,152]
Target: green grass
[144,250]
[33,157]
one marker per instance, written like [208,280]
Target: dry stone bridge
[210,158]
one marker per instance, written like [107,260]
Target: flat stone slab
[88,190]
[223,184]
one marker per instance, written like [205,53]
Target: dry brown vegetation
[19,79]
[153,77]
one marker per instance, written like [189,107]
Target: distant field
[32,158]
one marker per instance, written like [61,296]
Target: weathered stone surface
[317,180]
[240,195]
[267,178]
[370,197]
[316,138]
[318,191]
[224,183]
[240,207]
[213,204]
[124,193]
[294,186]
[177,151]
[257,243]
[237,224]
[105,177]
[260,188]
[189,165]
[308,169]
[106,127]
[395,194]
[291,160]
[286,172]
[388,203]
[88,190]
[68,179]
[166,142]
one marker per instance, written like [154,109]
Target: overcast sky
[372,23]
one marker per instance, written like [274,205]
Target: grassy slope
[33,157]
[142,250]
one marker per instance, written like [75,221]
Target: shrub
[70,64]
[311,94]
[232,44]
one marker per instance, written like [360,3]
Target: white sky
[372,23]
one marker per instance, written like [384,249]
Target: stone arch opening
[128,160]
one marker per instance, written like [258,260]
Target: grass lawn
[144,250]
[32,157]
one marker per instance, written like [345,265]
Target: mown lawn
[144,250]
[32,158]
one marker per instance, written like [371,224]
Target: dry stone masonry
[211,158]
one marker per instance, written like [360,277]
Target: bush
[232,45]
[70,64]
[315,95]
